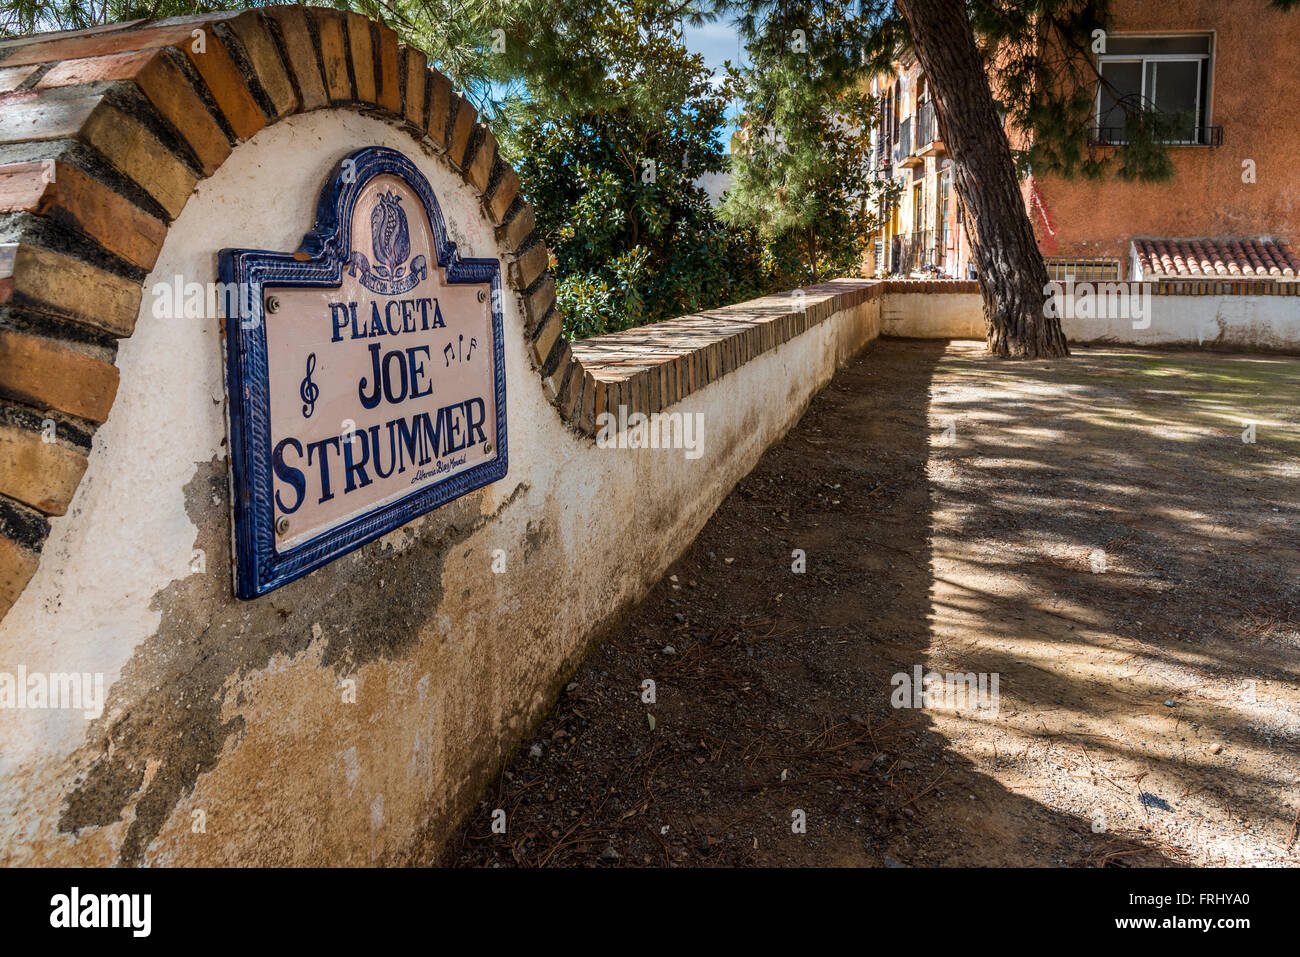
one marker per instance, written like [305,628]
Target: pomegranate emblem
[389,236]
[390,244]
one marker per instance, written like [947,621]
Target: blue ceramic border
[259,566]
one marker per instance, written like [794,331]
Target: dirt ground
[1095,532]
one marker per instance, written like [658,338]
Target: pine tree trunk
[1012,274]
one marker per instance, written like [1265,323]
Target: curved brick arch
[104,134]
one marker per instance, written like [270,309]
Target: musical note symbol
[461,348]
[447,349]
[472,343]
[309,390]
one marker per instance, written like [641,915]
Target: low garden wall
[931,309]
[1246,316]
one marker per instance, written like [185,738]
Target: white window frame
[1203,62]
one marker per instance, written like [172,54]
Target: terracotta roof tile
[1215,259]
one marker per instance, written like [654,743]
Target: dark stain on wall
[166,707]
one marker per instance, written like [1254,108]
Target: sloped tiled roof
[1216,259]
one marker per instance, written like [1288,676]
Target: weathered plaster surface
[933,316]
[1252,98]
[1270,323]
[236,712]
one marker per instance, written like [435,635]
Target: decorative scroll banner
[364,373]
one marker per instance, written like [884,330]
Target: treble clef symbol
[309,390]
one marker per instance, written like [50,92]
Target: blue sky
[718,42]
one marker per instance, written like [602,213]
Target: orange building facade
[1227,69]
[924,234]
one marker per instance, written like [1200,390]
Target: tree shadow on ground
[1107,541]
[773,686]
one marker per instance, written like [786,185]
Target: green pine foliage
[612,173]
[804,173]
[1046,82]
[608,120]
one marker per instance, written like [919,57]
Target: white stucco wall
[932,315]
[234,712]
[1245,322]
[1233,322]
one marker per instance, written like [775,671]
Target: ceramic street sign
[364,374]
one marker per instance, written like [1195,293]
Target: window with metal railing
[1160,84]
[903,148]
[1174,134]
[927,125]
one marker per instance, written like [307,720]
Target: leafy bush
[613,185]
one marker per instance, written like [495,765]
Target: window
[1165,75]
[1065,269]
[886,136]
[945,198]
